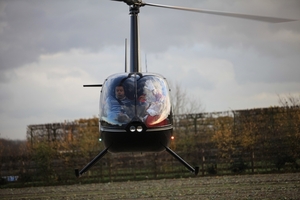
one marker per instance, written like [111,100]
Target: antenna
[146,62]
[126,69]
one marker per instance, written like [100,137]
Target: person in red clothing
[154,100]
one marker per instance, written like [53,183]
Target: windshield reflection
[128,97]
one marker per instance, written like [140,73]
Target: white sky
[49,49]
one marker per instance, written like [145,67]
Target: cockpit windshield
[135,97]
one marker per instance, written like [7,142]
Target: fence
[245,141]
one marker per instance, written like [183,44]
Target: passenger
[119,108]
[155,100]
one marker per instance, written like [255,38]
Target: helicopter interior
[146,100]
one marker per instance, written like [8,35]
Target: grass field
[266,186]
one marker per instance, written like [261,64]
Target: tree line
[244,141]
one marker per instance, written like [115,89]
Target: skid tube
[193,170]
[88,166]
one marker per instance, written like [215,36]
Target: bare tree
[182,103]
[289,100]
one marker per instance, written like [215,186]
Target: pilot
[119,107]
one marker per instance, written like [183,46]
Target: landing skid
[88,166]
[102,153]
[194,170]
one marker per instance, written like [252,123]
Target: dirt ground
[267,186]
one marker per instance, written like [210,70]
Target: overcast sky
[49,49]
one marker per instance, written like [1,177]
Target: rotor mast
[134,38]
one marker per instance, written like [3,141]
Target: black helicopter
[135,107]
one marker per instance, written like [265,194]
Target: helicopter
[135,112]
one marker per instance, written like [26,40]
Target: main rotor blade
[227,14]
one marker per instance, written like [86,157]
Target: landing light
[139,129]
[132,128]
[136,127]
[172,137]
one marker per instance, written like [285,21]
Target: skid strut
[194,170]
[102,153]
[98,157]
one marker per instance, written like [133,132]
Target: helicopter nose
[136,127]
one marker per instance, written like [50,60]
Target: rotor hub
[138,3]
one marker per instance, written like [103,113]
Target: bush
[212,169]
[238,166]
[3,181]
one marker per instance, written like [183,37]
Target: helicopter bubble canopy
[135,97]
